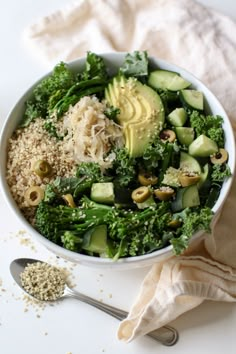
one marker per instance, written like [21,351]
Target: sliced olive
[188,179]
[146,179]
[42,168]
[174,223]
[140,194]
[220,157]
[164,193]
[34,195]
[69,200]
[168,135]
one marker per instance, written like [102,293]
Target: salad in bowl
[116,158]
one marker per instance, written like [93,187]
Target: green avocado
[141,112]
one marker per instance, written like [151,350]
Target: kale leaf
[124,167]
[154,154]
[210,126]
[94,68]
[220,172]
[135,64]
[112,113]
[63,88]
[196,220]
[61,79]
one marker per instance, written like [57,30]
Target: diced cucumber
[202,146]
[103,192]
[185,135]
[177,117]
[192,99]
[95,239]
[167,80]
[147,203]
[205,177]
[207,193]
[186,198]
[189,163]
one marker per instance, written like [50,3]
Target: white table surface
[73,327]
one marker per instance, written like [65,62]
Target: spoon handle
[166,335]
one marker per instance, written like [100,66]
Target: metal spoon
[166,335]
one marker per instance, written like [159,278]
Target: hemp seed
[43,281]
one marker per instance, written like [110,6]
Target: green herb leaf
[135,64]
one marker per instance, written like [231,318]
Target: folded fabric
[202,41]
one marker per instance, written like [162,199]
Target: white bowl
[113,61]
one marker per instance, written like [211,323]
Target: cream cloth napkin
[204,42]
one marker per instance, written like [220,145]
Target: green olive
[220,157]
[34,195]
[146,179]
[174,223]
[164,193]
[168,135]
[188,179]
[141,194]
[69,200]
[42,168]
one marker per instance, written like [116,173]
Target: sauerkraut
[90,135]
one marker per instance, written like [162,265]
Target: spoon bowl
[166,335]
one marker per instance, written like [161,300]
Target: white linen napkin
[202,41]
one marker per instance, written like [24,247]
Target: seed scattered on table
[43,281]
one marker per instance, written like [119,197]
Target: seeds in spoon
[43,281]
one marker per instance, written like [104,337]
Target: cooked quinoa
[43,281]
[26,146]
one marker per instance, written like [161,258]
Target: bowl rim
[96,261]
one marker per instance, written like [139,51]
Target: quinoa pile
[43,281]
[25,147]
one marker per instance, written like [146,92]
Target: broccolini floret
[71,241]
[53,221]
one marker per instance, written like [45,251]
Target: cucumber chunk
[189,163]
[167,80]
[186,198]
[205,181]
[202,147]
[192,99]
[147,203]
[103,192]
[95,239]
[177,117]
[185,135]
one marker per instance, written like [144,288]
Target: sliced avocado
[103,192]
[186,198]
[95,239]
[167,80]
[185,135]
[189,163]
[141,112]
[202,146]
[177,117]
